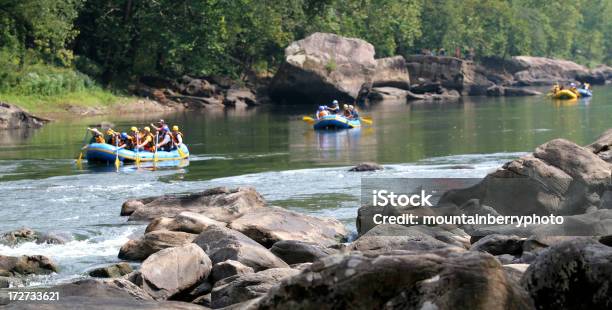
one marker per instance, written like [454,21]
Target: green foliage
[330,66]
[119,41]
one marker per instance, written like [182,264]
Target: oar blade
[308,119]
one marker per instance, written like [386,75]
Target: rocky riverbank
[228,248]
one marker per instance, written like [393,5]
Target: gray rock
[173,270]
[220,204]
[324,66]
[240,288]
[152,242]
[575,274]
[189,222]
[406,281]
[296,252]
[273,224]
[367,166]
[112,271]
[8,282]
[227,269]
[13,117]
[11,266]
[499,244]
[223,244]
[15,237]
[386,238]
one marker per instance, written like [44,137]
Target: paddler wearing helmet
[146,140]
[321,112]
[334,109]
[177,136]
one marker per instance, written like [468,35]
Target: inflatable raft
[564,94]
[336,121]
[584,92]
[100,152]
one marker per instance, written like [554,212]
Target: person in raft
[161,124]
[177,137]
[97,136]
[322,112]
[354,113]
[334,109]
[146,140]
[166,140]
[347,111]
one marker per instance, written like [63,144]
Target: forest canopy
[121,40]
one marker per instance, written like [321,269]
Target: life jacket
[175,138]
[347,113]
[150,145]
[322,113]
[98,139]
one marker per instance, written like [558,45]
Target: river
[272,149]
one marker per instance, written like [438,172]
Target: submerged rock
[273,224]
[367,166]
[223,244]
[24,265]
[15,237]
[112,271]
[153,242]
[220,204]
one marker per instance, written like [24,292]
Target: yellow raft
[565,94]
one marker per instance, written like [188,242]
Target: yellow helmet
[134,128]
[110,132]
[147,129]
[175,128]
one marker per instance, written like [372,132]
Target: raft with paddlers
[102,152]
[571,93]
[335,121]
[564,94]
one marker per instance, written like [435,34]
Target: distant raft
[585,92]
[336,121]
[564,94]
[101,152]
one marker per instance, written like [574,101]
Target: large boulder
[152,242]
[468,280]
[324,66]
[223,244]
[13,117]
[97,288]
[575,274]
[173,270]
[220,204]
[227,269]
[559,178]
[452,73]
[499,244]
[26,265]
[240,288]
[545,71]
[189,222]
[297,252]
[273,224]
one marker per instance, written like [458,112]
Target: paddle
[156,143]
[137,151]
[309,120]
[80,158]
[117,162]
[366,119]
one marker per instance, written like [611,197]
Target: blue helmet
[124,135]
[165,128]
[321,108]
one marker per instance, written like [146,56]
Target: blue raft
[584,92]
[336,121]
[101,152]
